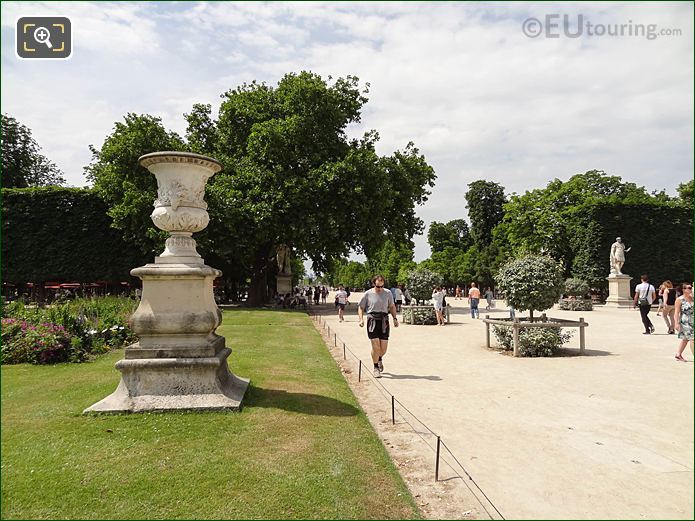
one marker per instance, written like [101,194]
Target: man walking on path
[377,303]
[474,300]
[645,294]
[341,299]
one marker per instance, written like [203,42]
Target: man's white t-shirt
[399,294]
[342,296]
[645,290]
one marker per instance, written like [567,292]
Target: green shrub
[533,341]
[532,282]
[582,304]
[421,282]
[575,287]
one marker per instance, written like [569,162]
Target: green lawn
[301,447]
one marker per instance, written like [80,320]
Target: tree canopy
[291,176]
[454,234]
[532,282]
[484,200]
[23,165]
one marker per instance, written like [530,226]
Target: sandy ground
[607,435]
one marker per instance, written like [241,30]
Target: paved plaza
[606,435]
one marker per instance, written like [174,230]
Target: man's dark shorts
[376,328]
[341,307]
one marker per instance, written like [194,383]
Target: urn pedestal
[179,361]
[619,291]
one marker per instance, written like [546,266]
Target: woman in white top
[438,302]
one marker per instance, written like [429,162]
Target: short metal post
[393,409]
[335,340]
[359,372]
[581,335]
[487,330]
[344,355]
[436,464]
[515,328]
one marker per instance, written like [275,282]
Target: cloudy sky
[480,98]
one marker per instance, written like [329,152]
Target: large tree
[543,220]
[454,234]
[293,177]
[485,201]
[685,193]
[23,165]
[129,189]
[390,259]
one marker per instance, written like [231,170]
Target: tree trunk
[258,290]
[530,315]
[41,294]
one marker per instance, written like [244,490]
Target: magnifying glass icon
[42,35]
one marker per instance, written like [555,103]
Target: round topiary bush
[421,282]
[575,287]
[532,282]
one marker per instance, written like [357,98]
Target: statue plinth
[619,291]
[179,361]
[284,283]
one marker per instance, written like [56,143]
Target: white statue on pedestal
[283,260]
[617,257]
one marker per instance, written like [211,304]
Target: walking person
[457,295]
[341,300]
[406,295]
[377,303]
[324,294]
[438,303]
[474,300]
[489,297]
[660,299]
[317,295]
[669,306]
[398,299]
[684,321]
[645,294]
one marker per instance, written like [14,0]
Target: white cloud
[479,98]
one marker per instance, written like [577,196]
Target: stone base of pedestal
[619,291]
[284,284]
[169,384]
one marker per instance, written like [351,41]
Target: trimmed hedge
[62,234]
[661,238]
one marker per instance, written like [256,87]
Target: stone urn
[179,361]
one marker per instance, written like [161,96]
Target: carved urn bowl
[181,177]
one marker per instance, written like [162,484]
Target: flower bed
[69,332]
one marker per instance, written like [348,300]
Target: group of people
[301,296]
[675,305]
[378,303]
